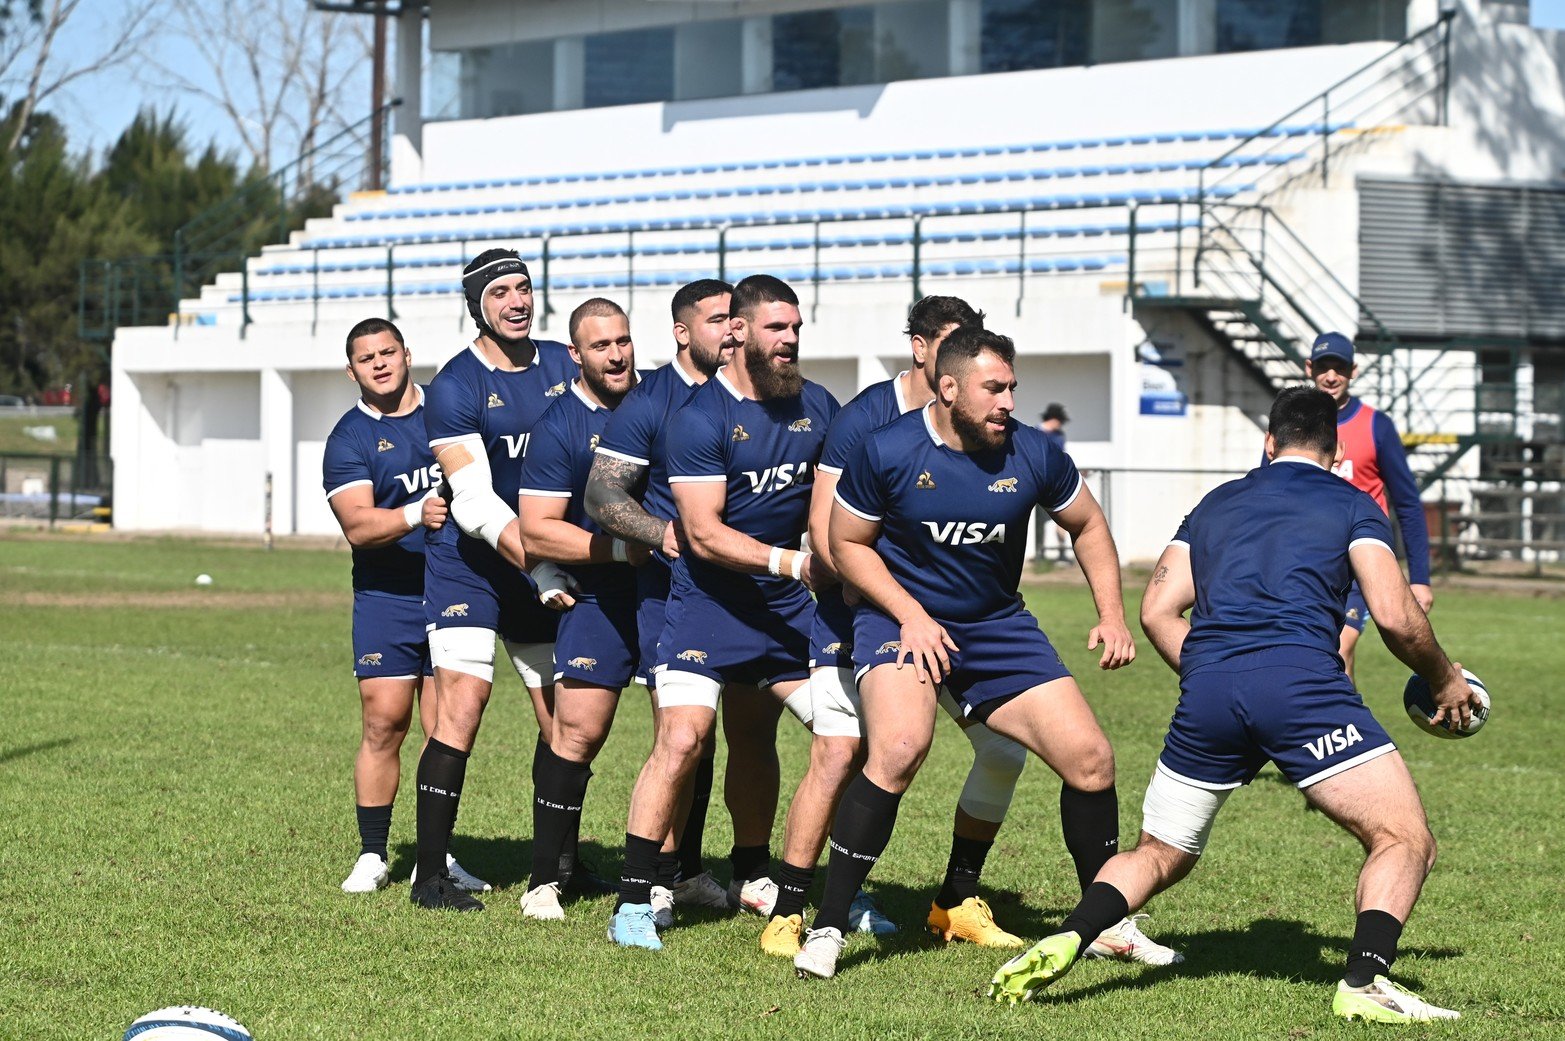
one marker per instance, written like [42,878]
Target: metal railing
[133,290]
[1518,518]
[55,488]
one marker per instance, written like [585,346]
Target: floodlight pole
[377,100]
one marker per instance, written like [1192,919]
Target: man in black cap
[479,411]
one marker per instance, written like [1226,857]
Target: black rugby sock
[374,828]
[559,786]
[792,885]
[1374,947]
[441,770]
[750,862]
[1090,821]
[962,870]
[640,871]
[1102,906]
[668,869]
[690,840]
[865,819]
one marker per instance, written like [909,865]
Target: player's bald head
[597,307]
[966,345]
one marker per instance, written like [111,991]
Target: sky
[96,109]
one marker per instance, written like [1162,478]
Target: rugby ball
[1420,705]
[186,1023]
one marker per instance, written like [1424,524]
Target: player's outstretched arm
[1406,630]
[475,507]
[1099,560]
[1170,593]
[366,526]
[925,642]
[701,504]
[612,500]
[548,535]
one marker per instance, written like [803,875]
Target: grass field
[15,438]
[176,813]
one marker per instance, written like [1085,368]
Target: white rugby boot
[369,874]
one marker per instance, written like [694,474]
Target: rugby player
[835,752]
[595,650]
[740,457]
[628,495]
[1373,461]
[480,409]
[929,527]
[1264,562]
[380,483]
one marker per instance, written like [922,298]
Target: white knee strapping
[675,689]
[801,704]
[464,649]
[997,765]
[1180,813]
[534,662]
[834,702]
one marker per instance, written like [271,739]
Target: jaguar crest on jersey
[699,657]
[373,658]
[739,434]
[1004,484]
[583,663]
[800,426]
[834,648]
[925,481]
[383,445]
[889,647]
[455,611]
[494,400]
[555,391]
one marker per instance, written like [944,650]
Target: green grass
[15,439]
[176,813]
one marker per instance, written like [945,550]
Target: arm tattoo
[1160,575]
[611,500]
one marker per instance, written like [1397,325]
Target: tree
[285,74]
[31,70]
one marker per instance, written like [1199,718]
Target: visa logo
[1334,741]
[422,479]
[965,533]
[776,478]
[515,444]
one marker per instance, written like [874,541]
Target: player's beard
[602,391]
[973,427]
[770,379]
[708,364]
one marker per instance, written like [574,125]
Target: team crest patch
[740,435]
[833,648]
[800,426]
[1353,614]
[592,442]
[699,657]
[455,611]
[889,647]
[383,445]
[583,663]
[494,400]
[373,658]
[1004,484]
[555,391]
[925,481]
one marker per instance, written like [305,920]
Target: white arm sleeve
[475,507]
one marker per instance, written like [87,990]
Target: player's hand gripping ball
[1420,705]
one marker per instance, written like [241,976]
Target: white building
[1036,157]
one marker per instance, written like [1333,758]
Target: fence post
[1445,68]
[918,249]
[266,537]
[315,290]
[179,276]
[548,299]
[1325,140]
[1200,227]
[722,253]
[630,271]
[1021,262]
[54,491]
[244,297]
[1130,284]
[815,304]
[391,307]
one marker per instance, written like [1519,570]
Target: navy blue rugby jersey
[559,457]
[953,525]
[872,408]
[390,454]
[639,426]
[1269,555]
[470,396]
[765,453]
